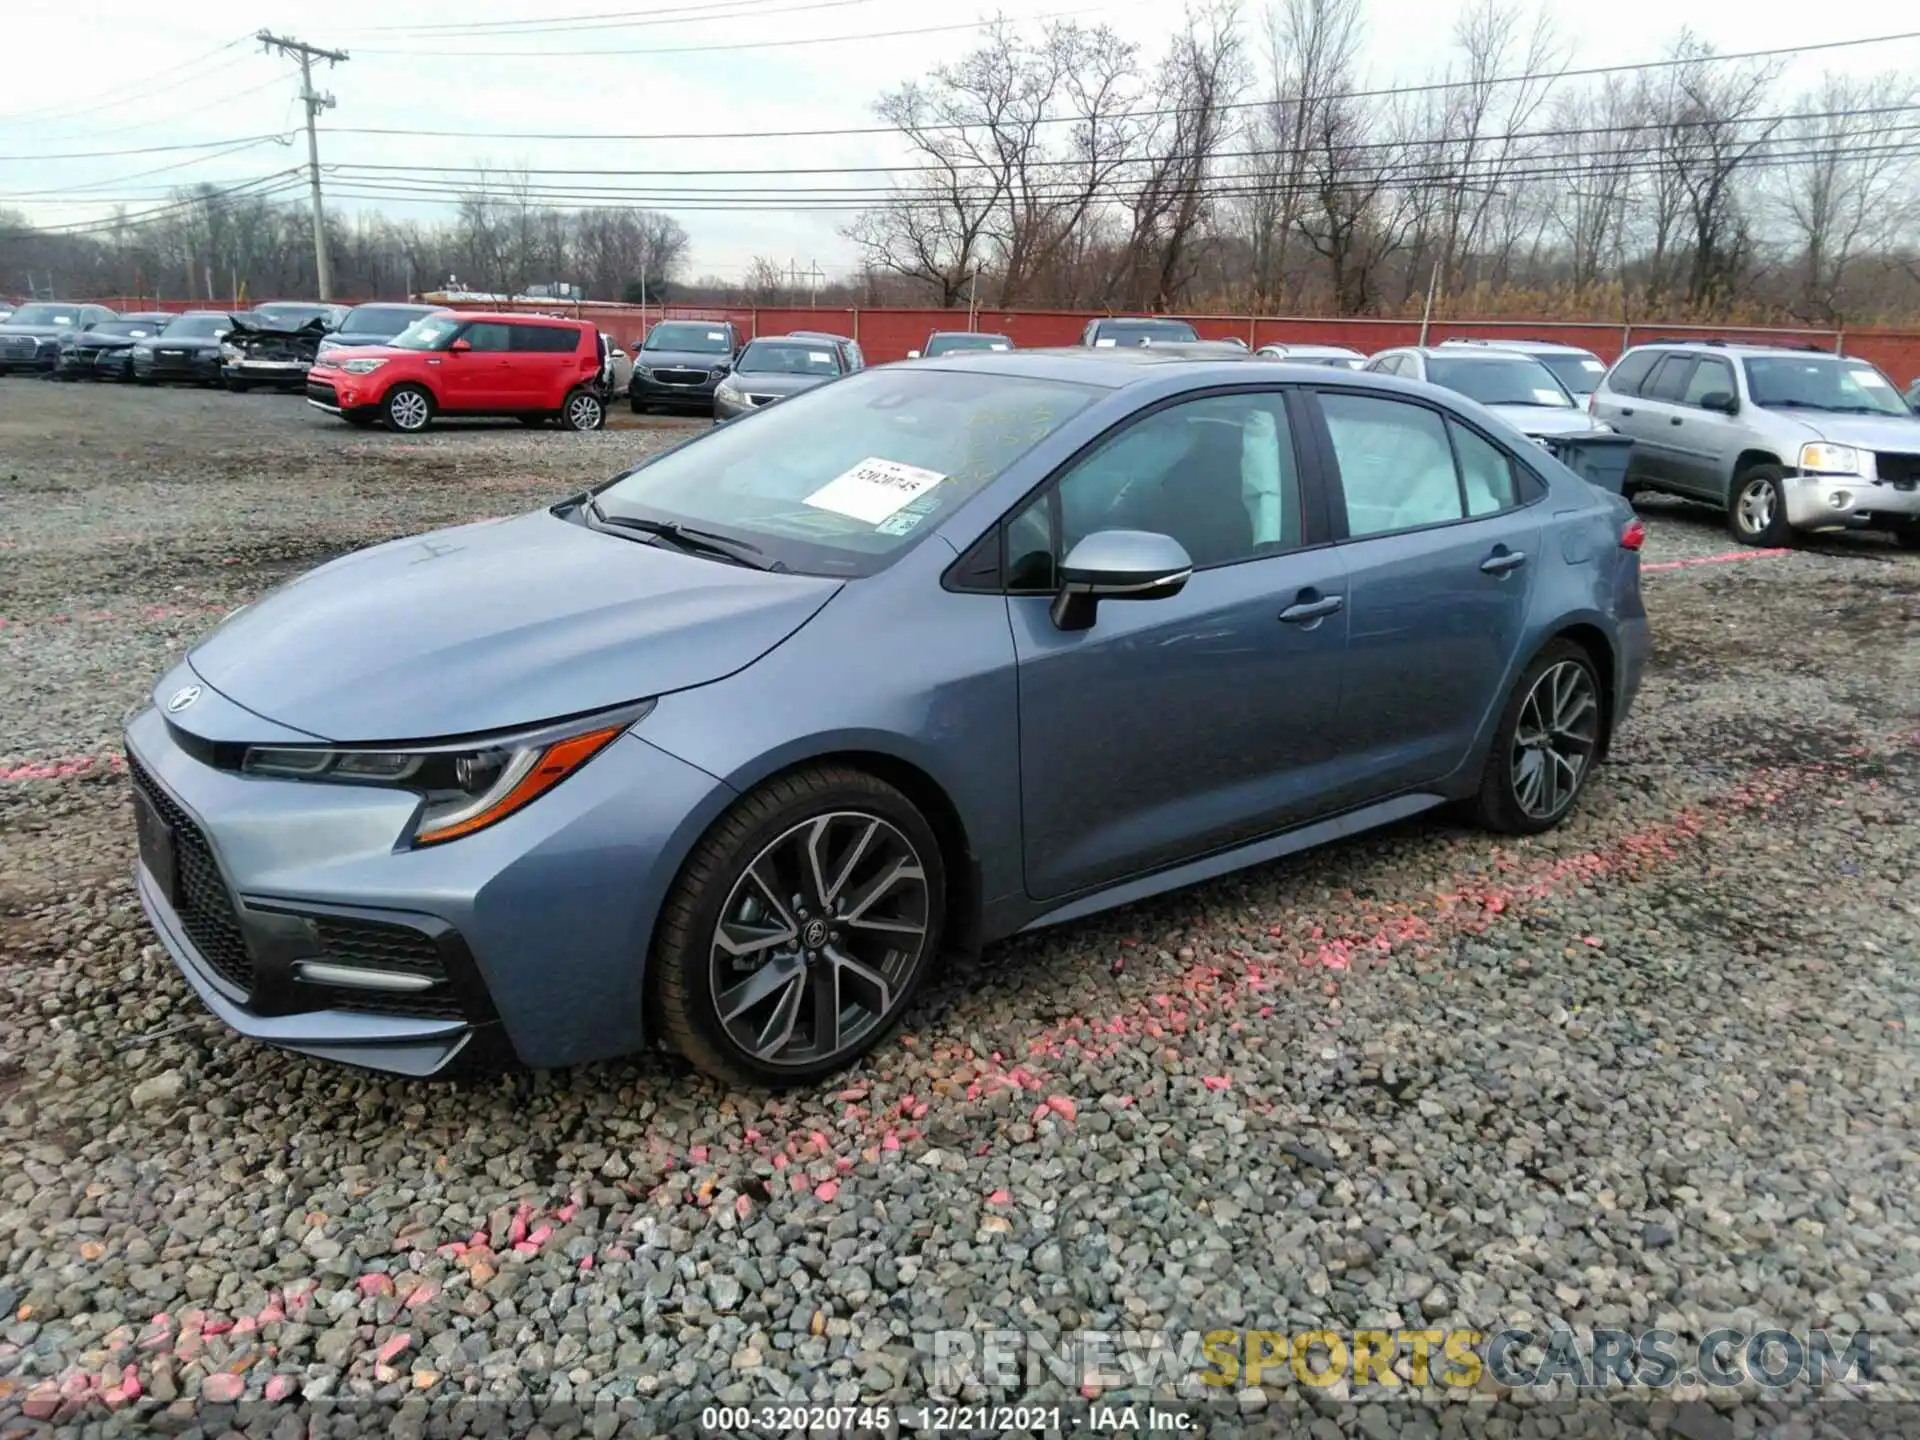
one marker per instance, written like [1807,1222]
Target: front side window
[1217,474]
[1396,465]
[836,480]
[429,332]
[1710,377]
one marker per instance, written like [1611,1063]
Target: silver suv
[1783,440]
[1579,370]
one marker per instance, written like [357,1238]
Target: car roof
[1737,347]
[1526,346]
[398,305]
[1441,352]
[973,334]
[1117,368]
[515,317]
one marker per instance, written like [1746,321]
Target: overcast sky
[60,60]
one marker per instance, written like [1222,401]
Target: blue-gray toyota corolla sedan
[729,749]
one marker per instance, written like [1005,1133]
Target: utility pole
[315,103]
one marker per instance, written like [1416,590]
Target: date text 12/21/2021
[940,1418]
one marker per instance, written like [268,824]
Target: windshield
[1815,382]
[198,327]
[378,320]
[429,332]
[286,317]
[1136,332]
[44,315]
[1519,380]
[954,344]
[834,481]
[689,337]
[795,357]
[135,328]
[1579,373]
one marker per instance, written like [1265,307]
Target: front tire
[1550,734]
[799,929]
[407,410]
[582,410]
[1906,534]
[1757,511]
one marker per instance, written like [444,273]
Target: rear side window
[1631,370]
[544,339]
[1396,464]
[1486,472]
[485,335]
[1669,381]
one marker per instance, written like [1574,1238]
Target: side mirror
[1118,565]
[913,354]
[460,347]
[1721,401]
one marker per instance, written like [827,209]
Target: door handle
[1626,412]
[1676,420]
[1503,560]
[1307,611]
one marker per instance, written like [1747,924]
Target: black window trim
[1315,514]
[1687,360]
[1330,464]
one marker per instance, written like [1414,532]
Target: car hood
[107,342]
[776,383]
[42,332]
[1538,420]
[1869,432]
[680,360]
[495,625]
[182,342]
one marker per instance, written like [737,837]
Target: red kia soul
[534,368]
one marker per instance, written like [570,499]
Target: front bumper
[643,389]
[533,933]
[113,365]
[292,374]
[1846,502]
[184,365]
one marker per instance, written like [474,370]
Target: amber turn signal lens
[556,762]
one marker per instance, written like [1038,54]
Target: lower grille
[324,393]
[18,347]
[680,377]
[395,949]
[1901,469]
[205,906]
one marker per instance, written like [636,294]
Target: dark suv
[1114,330]
[680,363]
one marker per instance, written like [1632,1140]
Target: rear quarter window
[1631,371]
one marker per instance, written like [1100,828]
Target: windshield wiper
[685,537]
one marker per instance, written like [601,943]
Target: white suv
[1579,370]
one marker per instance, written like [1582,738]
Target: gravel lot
[1657,1068]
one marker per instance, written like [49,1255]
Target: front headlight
[143,352]
[725,390]
[1823,458]
[361,367]
[229,352]
[463,788]
[719,372]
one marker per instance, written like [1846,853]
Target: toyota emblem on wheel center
[182,698]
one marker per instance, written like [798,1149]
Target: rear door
[1441,542]
[1658,417]
[541,365]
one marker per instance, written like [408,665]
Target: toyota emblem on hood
[182,698]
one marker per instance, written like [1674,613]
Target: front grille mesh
[204,906]
[18,347]
[1897,467]
[375,945]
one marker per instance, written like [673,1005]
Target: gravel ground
[1657,1068]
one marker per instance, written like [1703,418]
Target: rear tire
[1551,732]
[1757,509]
[1906,534]
[407,410]
[582,410]
[837,844]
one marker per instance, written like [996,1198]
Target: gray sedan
[773,369]
[726,750]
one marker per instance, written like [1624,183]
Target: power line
[608,52]
[1431,87]
[619,20]
[139,174]
[260,188]
[144,87]
[315,102]
[141,150]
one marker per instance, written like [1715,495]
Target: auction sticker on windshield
[873,489]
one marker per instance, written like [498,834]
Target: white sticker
[1593,367]
[900,524]
[996,346]
[1105,342]
[716,334]
[821,355]
[1870,377]
[874,489]
[1549,397]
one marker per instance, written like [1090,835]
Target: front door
[1440,553]
[476,378]
[1175,727]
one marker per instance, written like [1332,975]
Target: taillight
[1634,536]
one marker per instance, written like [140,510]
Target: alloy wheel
[817,939]
[583,412]
[408,409]
[1755,506]
[1554,739]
